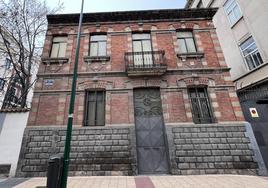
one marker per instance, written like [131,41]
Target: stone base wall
[193,149]
[94,151]
[210,149]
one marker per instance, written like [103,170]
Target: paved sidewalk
[205,181]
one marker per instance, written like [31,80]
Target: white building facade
[12,125]
[13,119]
[242,28]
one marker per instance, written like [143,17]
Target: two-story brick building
[154,96]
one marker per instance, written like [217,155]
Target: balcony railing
[149,63]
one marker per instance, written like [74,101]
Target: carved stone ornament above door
[139,83]
[196,81]
[95,84]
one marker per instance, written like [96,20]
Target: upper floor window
[142,42]
[201,109]
[8,63]
[142,49]
[95,108]
[186,42]
[98,45]
[233,11]
[59,46]
[251,53]
[2,84]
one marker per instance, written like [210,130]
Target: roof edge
[169,14]
[14,110]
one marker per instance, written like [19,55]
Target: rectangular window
[186,42]
[8,63]
[201,108]
[98,45]
[142,48]
[59,46]
[2,84]
[233,11]
[251,53]
[95,108]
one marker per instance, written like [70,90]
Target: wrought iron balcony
[151,63]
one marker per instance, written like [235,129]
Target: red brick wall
[226,109]
[119,47]
[51,109]
[176,107]
[165,42]
[48,104]
[209,49]
[119,108]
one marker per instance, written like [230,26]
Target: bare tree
[22,27]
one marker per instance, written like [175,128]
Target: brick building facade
[162,69]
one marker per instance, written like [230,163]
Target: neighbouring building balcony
[149,63]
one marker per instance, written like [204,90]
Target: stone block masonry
[211,149]
[111,150]
[94,151]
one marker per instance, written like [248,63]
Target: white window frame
[253,52]
[98,46]
[59,44]
[188,51]
[230,9]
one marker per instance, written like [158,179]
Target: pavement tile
[202,181]
[11,182]
[144,182]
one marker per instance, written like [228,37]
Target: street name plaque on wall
[48,82]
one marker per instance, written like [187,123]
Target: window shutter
[95,108]
[55,50]
[62,49]
[94,49]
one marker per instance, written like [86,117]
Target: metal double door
[150,132]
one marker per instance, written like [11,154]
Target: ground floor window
[201,108]
[94,108]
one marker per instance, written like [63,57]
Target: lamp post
[71,107]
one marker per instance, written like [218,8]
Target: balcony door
[142,48]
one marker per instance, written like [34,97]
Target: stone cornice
[81,91]
[119,74]
[168,14]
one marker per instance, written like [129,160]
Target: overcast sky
[73,6]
